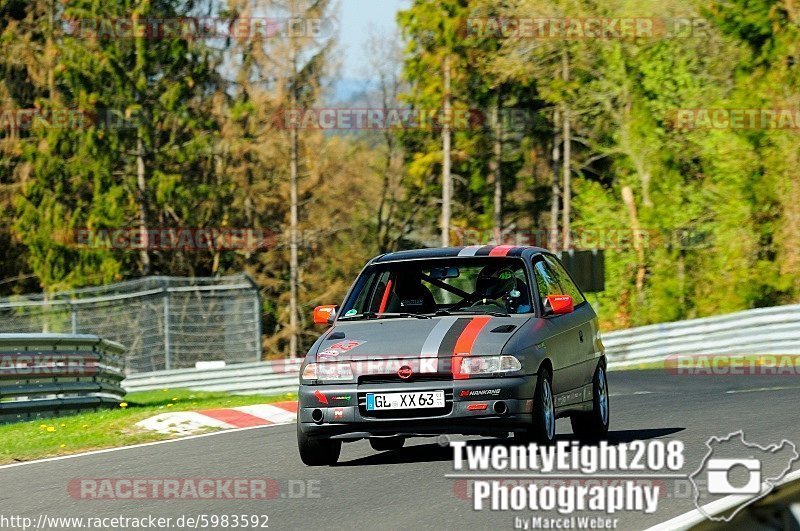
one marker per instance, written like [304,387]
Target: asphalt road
[404,489]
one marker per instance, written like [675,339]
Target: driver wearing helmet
[497,286]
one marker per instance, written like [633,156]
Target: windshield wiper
[375,315]
[406,314]
[468,312]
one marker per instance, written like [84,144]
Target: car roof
[460,252]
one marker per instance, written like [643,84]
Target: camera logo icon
[738,473]
[720,473]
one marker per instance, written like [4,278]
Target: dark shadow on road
[421,453]
[427,453]
[625,436]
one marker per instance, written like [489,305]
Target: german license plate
[416,400]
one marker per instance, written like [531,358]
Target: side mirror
[325,314]
[558,305]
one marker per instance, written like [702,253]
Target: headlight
[466,366]
[327,371]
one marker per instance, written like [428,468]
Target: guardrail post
[73,314]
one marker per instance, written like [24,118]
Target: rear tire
[317,452]
[543,426]
[385,444]
[593,426]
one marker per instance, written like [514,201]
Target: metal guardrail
[774,330]
[267,377]
[58,374]
[761,331]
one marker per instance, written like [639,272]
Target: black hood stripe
[449,341]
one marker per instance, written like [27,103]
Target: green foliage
[719,207]
[716,205]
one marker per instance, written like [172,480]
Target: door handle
[580,335]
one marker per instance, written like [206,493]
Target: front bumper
[508,408]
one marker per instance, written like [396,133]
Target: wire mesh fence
[164,322]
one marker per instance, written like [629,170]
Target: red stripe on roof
[501,250]
[465,342]
[235,417]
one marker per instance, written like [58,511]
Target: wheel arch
[545,363]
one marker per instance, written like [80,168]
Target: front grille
[393,378]
[406,413]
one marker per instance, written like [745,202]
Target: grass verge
[110,428]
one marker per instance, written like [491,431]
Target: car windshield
[423,288]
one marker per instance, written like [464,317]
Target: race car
[479,340]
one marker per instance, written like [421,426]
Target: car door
[587,328]
[563,336]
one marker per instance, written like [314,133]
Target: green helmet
[494,283]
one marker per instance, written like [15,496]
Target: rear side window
[565,281]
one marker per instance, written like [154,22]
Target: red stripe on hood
[464,344]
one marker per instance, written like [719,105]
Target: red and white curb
[190,422]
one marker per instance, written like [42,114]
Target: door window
[546,281]
[565,281]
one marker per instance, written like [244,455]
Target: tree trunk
[497,172]
[293,259]
[51,85]
[447,181]
[141,196]
[638,243]
[567,133]
[555,192]
[141,177]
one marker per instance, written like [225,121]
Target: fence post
[73,317]
[257,315]
[167,354]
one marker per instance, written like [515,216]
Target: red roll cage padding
[385,298]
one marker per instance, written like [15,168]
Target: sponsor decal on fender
[479,392]
[334,350]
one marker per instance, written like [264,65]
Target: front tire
[593,426]
[543,426]
[385,444]
[317,452]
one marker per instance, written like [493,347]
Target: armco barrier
[773,330]
[267,377]
[58,374]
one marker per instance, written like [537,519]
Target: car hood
[438,337]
